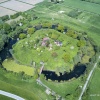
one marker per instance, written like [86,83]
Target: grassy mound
[53,48]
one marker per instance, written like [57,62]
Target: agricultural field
[13,66]
[93,1]
[93,91]
[1,1]
[32,2]
[25,87]
[19,5]
[79,44]
[5,11]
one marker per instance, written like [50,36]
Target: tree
[85,59]
[81,43]
[66,57]
[13,25]
[6,27]
[60,28]
[19,30]
[31,30]
[1,26]
[22,35]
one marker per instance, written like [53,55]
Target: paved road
[11,95]
[85,85]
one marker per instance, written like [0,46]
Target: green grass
[87,21]
[70,87]
[28,53]
[26,88]
[11,65]
[2,97]
[94,84]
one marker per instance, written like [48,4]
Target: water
[5,52]
[78,70]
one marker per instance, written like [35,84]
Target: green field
[93,92]
[2,97]
[86,21]
[24,87]
[43,53]
[78,15]
[11,65]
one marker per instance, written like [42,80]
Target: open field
[68,90]
[93,92]
[2,97]
[1,1]
[16,5]
[26,88]
[32,2]
[4,11]
[86,21]
[93,1]
[33,54]
[10,65]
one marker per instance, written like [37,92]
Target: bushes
[6,27]
[81,43]
[15,15]
[74,13]
[60,28]
[46,25]
[66,57]
[54,36]
[31,30]
[4,18]
[22,35]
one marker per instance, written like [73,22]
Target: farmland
[19,68]
[4,11]
[82,17]
[19,5]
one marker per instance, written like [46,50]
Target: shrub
[31,30]
[15,15]
[60,28]
[22,35]
[54,36]
[46,25]
[66,57]
[81,43]
[4,18]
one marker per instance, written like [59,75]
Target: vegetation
[75,24]
[11,65]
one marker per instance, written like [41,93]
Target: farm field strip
[4,11]
[32,2]
[83,5]
[16,5]
[1,1]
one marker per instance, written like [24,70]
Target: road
[11,95]
[88,78]
[39,81]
